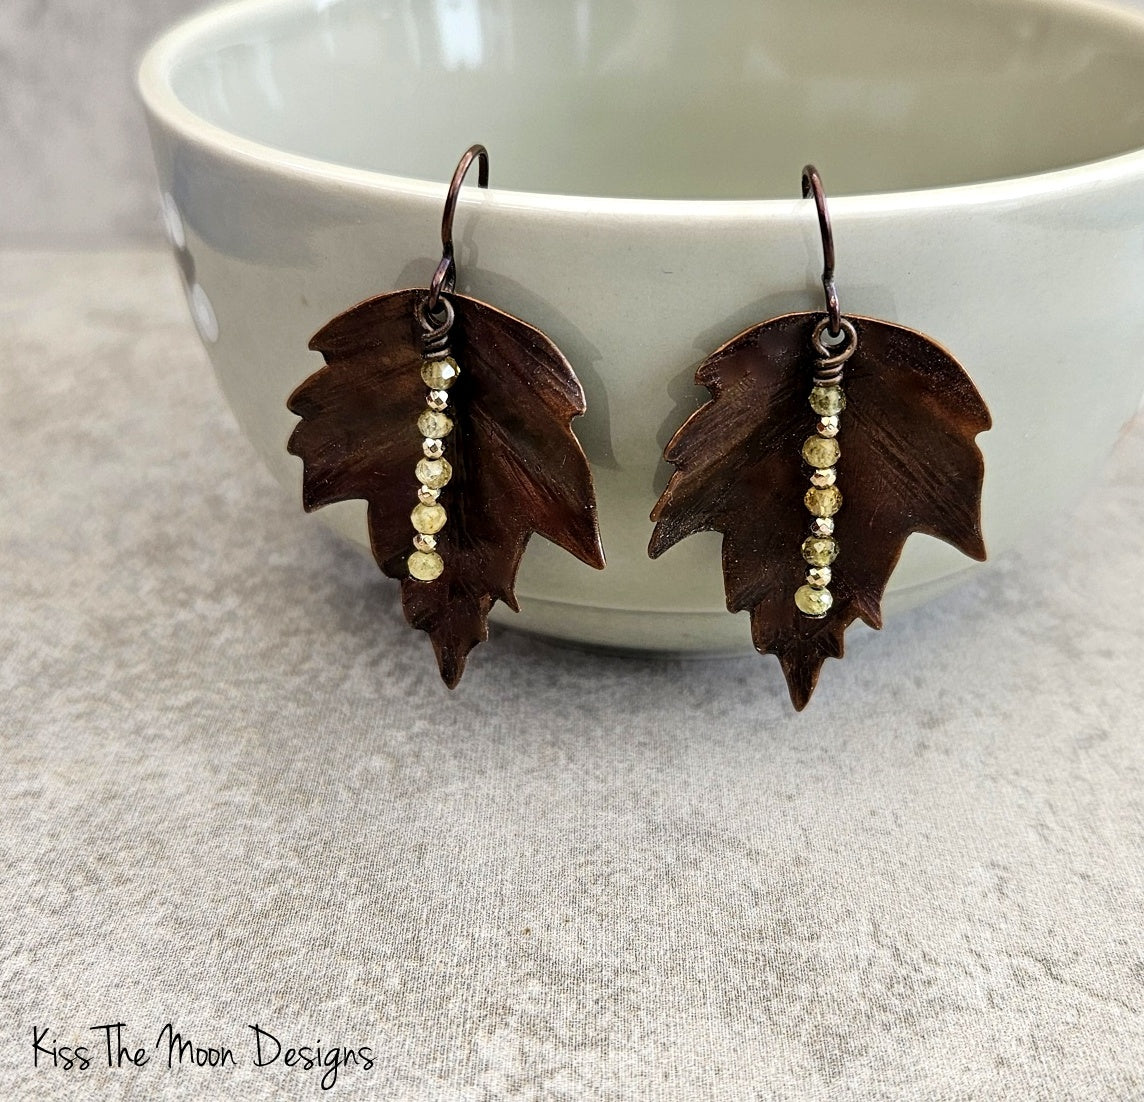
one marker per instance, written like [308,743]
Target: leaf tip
[589,549]
[451,663]
[869,609]
[661,541]
[801,676]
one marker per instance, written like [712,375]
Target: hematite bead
[427,495]
[827,426]
[824,502]
[425,565]
[437,399]
[432,449]
[424,542]
[813,602]
[818,577]
[825,477]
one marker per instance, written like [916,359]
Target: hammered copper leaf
[518,468]
[909,464]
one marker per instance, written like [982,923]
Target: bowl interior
[673,99]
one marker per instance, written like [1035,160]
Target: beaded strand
[433,470]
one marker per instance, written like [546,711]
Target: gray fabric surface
[234,792]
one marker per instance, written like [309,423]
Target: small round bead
[435,426]
[439,374]
[429,519]
[823,502]
[811,601]
[827,400]
[425,565]
[433,473]
[432,449]
[827,426]
[822,526]
[819,551]
[825,477]
[425,543]
[818,577]
[818,451]
[437,399]
[427,495]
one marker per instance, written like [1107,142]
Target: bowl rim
[171,48]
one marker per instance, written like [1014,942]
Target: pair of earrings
[453,419]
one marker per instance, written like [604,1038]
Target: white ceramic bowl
[983,161]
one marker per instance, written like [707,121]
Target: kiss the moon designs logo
[113,1048]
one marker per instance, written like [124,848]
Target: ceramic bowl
[986,180]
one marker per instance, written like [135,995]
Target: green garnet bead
[425,566]
[439,374]
[811,601]
[819,451]
[819,551]
[434,473]
[823,501]
[429,519]
[436,426]
[827,401]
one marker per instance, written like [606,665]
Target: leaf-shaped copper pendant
[508,464]
[815,505]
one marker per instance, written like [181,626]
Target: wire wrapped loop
[434,331]
[832,358]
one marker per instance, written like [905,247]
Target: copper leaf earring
[452,420]
[827,441]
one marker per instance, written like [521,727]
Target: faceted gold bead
[437,399]
[435,426]
[827,400]
[822,526]
[427,495]
[425,565]
[425,543]
[813,602]
[439,374]
[818,451]
[429,519]
[827,426]
[825,477]
[824,502]
[818,577]
[432,449]
[819,551]
[433,473]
